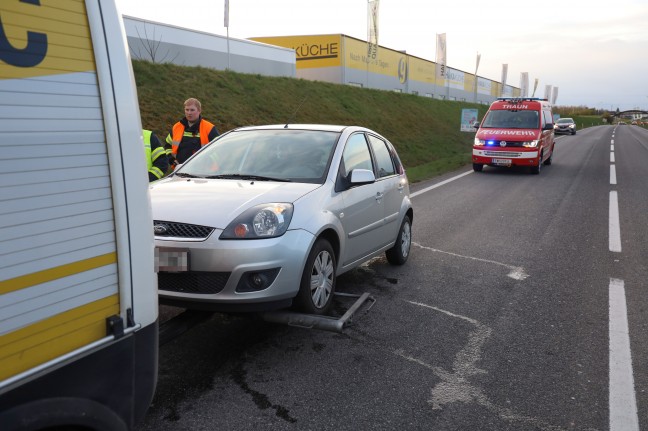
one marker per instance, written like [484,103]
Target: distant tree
[149,51]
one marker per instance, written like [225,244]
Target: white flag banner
[477,64]
[504,73]
[535,87]
[372,28]
[554,96]
[547,94]
[524,84]
[226,13]
[441,71]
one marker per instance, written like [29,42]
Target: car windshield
[271,155]
[565,121]
[511,119]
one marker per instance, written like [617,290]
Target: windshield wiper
[185,175]
[247,177]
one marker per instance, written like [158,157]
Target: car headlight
[262,221]
[530,144]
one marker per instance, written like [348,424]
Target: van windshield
[511,119]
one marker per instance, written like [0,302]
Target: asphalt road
[509,315]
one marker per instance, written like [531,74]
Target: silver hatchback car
[265,217]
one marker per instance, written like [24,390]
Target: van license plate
[502,162]
[171,259]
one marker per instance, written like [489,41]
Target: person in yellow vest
[189,134]
[156,158]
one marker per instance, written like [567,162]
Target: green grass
[426,132]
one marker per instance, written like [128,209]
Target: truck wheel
[317,285]
[398,254]
[477,167]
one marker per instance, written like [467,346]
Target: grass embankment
[426,132]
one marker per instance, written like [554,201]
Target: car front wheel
[398,254]
[317,285]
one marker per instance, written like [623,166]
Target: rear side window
[383,157]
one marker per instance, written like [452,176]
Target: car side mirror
[548,126]
[361,176]
[476,125]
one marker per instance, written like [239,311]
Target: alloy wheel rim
[322,279]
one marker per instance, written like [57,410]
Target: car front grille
[180,230]
[207,283]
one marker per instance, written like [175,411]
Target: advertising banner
[372,30]
[524,84]
[311,51]
[441,57]
[547,94]
[468,120]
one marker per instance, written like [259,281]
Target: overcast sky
[594,51]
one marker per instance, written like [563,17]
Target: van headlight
[479,142]
[530,144]
[262,221]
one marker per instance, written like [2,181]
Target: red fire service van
[515,132]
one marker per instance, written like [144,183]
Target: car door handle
[379,196]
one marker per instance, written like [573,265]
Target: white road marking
[611,157]
[614,226]
[612,174]
[427,189]
[612,147]
[517,272]
[623,404]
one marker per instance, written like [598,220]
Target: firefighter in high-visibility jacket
[189,134]
[156,158]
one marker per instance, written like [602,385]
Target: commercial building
[335,58]
[164,43]
[342,59]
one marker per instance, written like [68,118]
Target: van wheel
[550,159]
[536,169]
[398,254]
[477,167]
[317,285]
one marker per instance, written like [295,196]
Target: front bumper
[514,156]
[223,266]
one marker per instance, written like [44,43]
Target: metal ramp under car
[326,323]
[182,322]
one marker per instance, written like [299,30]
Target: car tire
[317,285]
[536,169]
[574,132]
[477,167]
[398,254]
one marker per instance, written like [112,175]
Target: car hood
[509,134]
[216,203]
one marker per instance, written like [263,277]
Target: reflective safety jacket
[156,158]
[184,140]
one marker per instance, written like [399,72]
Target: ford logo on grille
[160,229]
[502,143]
